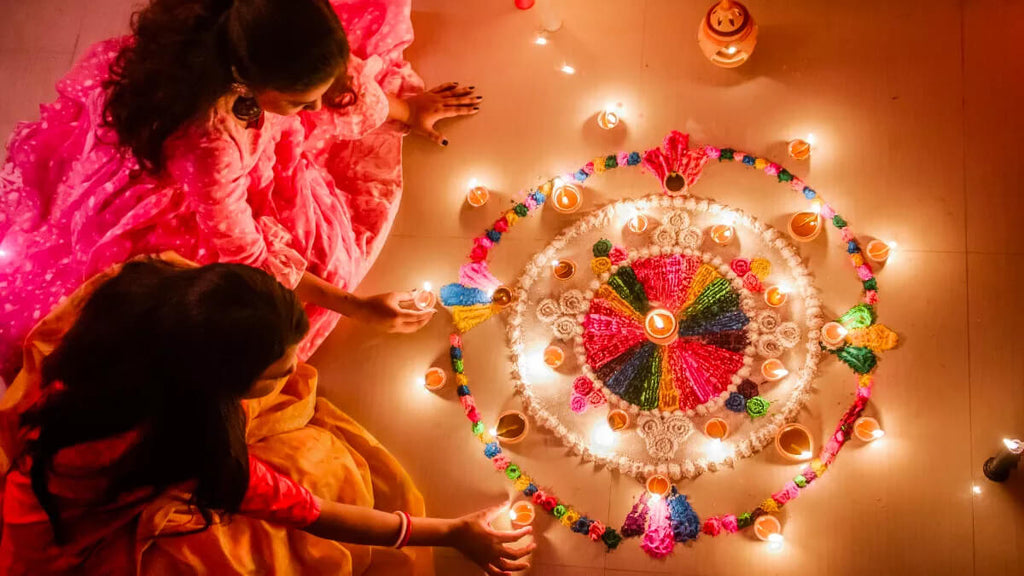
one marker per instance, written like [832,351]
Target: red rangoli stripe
[605,337]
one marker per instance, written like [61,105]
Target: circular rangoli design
[666,326]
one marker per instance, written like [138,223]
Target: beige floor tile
[992,93]
[997,395]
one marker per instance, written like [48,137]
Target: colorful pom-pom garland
[663,521]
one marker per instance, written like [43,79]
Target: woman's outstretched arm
[472,535]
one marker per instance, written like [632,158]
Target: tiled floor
[916,109]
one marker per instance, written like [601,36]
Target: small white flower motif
[663,434]
[572,302]
[776,335]
[677,219]
[664,236]
[548,311]
[567,328]
[690,237]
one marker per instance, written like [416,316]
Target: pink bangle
[406,529]
[403,530]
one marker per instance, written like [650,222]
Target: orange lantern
[727,34]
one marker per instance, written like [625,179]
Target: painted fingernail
[476,107]
[479,97]
[444,142]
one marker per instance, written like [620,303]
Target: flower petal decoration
[675,164]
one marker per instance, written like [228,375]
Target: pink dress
[315,192]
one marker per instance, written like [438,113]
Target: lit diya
[661,326]
[793,442]
[773,369]
[765,526]
[563,269]
[805,226]
[554,356]
[722,234]
[716,428]
[424,299]
[833,334]
[502,296]
[867,429]
[637,224]
[521,513]
[477,196]
[618,419]
[775,296]
[878,251]
[512,427]
[799,149]
[608,118]
[566,198]
[435,379]
[659,485]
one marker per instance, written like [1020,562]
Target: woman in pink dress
[261,132]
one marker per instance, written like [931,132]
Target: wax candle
[502,296]
[554,356]
[637,224]
[563,269]
[566,197]
[775,296]
[867,429]
[773,369]
[799,149]
[424,299]
[512,427]
[521,513]
[658,485]
[833,334]
[618,419]
[435,379]
[999,466]
[765,526]
[477,196]
[661,327]
[722,234]
[716,428]
[878,251]
[805,226]
[793,441]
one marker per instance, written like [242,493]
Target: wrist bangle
[406,529]
[403,531]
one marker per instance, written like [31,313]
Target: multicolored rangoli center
[696,367]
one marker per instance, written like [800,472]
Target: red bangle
[408,530]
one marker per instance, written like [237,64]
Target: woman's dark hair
[182,55]
[169,353]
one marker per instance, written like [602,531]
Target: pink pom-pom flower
[712,526]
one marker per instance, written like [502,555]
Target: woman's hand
[386,312]
[438,103]
[491,549]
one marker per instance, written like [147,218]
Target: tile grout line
[967,275]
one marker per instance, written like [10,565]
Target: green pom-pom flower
[611,538]
[611,162]
[871,284]
[800,481]
[521,210]
[838,221]
[602,248]
[478,428]
[744,520]
[860,316]
[757,407]
[785,176]
[559,511]
[513,472]
[861,359]
[457,366]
